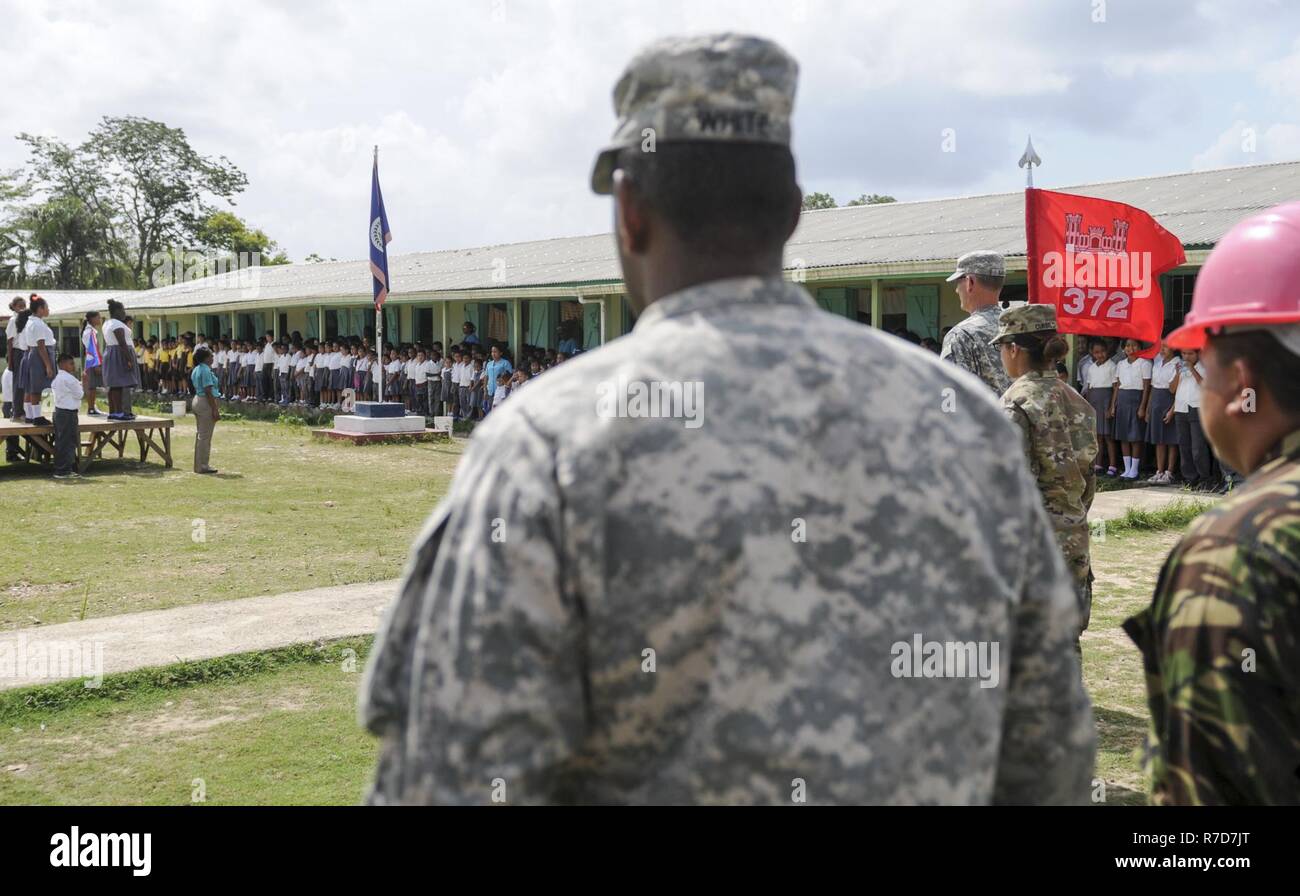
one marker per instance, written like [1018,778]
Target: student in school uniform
[67,402]
[477,391]
[1161,430]
[39,367]
[346,361]
[335,366]
[433,385]
[419,383]
[121,371]
[1129,401]
[252,369]
[1100,388]
[502,390]
[14,351]
[281,369]
[1193,449]
[7,409]
[92,376]
[320,374]
[265,383]
[448,394]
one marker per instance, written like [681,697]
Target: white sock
[30,410]
[1133,466]
[1126,465]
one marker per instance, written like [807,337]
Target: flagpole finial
[1028,160]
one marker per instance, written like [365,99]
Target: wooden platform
[366,438]
[36,443]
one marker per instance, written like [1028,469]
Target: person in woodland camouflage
[1221,639]
[656,580]
[1058,427]
[978,279]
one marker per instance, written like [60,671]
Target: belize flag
[379,238]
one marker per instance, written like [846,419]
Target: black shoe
[92,413]
[41,421]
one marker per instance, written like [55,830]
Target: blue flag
[379,238]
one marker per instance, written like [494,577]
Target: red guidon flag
[1099,262]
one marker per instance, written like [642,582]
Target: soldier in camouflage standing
[1221,639]
[720,595]
[1059,430]
[978,279]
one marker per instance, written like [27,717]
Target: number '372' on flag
[1099,262]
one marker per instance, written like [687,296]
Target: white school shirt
[11,329]
[301,364]
[1101,376]
[7,385]
[268,353]
[466,375]
[421,372]
[281,363]
[110,334]
[36,330]
[500,395]
[335,360]
[67,391]
[347,362]
[1189,390]
[432,369]
[1131,374]
[251,359]
[320,360]
[1163,372]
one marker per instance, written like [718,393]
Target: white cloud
[489,114]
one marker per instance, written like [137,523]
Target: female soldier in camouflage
[1059,433]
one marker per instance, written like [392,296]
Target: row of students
[1141,403]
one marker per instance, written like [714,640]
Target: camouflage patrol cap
[725,87]
[981,262]
[1024,319]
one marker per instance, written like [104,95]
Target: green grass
[1174,515]
[279,727]
[286,513]
[270,729]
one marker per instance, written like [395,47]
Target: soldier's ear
[1240,383]
[631,215]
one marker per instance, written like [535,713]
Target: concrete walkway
[203,631]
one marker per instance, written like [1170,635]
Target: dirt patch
[29,591]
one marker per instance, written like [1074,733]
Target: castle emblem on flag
[1096,239]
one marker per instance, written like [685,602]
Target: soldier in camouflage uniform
[1059,433]
[711,598]
[979,278]
[1221,639]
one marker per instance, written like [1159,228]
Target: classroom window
[1177,289]
[423,325]
[331,325]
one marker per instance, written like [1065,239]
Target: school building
[883,265]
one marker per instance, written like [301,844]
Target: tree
[315,258]
[67,239]
[818,200]
[226,232]
[872,199]
[148,186]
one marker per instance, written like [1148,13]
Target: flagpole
[379,323]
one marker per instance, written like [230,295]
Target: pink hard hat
[1251,279]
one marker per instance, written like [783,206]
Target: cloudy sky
[488,112]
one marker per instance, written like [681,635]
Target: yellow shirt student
[164,356]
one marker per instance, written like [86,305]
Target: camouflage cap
[982,262]
[1025,319]
[727,87]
